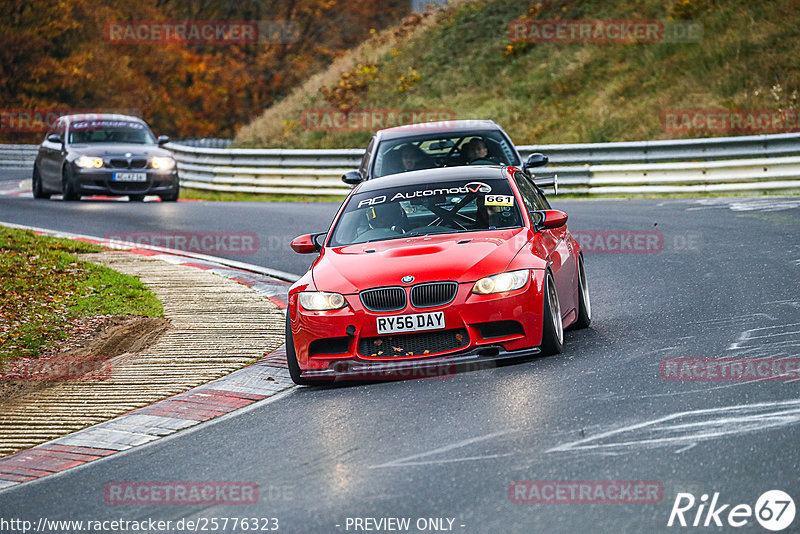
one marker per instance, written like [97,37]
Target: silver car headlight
[321,300]
[162,163]
[89,162]
[502,282]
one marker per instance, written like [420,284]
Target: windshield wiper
[418,233]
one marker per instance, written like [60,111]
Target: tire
[291,359]
[36,185]
[171,197]
[68,192]
[552,327]
[584,304]
[136,198]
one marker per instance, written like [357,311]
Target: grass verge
[43,286]
[225,196]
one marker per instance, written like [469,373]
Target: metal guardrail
[745,163]
[752,174]
[23,156]
[711,148]
[270,170]
[17,156]
[206,142]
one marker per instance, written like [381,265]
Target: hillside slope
[461,60]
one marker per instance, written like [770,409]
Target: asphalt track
[723,283]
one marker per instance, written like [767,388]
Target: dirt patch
[85,355]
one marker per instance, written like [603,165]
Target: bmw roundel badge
[407,279]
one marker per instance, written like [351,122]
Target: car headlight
[499,283]
[162,163]
[89,162]
[321,300]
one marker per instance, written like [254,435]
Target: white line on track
[408,460]
[673,429]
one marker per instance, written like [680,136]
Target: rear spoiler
[541,183]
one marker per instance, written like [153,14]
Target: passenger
[390,216]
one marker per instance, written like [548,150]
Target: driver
[411,158]
[475,150]
[390,216]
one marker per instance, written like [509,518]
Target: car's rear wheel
[552,327]
[584,304]
[36,183]
[291,359]
[136,198]
[68,191]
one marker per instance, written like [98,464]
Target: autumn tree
[55,55]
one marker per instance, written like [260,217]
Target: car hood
[464,257]
[117,149]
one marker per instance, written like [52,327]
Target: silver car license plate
[130,177]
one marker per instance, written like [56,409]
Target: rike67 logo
[774,510]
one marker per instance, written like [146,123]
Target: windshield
[415,210]
[110,131]
[443,150]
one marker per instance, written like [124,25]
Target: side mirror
[535,160]
[551,218]
[54,138]
[163,140]
[306,244]
[352,178]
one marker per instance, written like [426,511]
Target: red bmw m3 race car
[439,267]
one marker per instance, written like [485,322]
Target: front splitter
[435,367]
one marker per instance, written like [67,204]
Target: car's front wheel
[171,197]
[36,183]
[552,327]
[68,191]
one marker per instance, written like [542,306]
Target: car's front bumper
[436,367]
[477,328]
[101,182]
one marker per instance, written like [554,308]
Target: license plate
[130,177]
[410,323]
